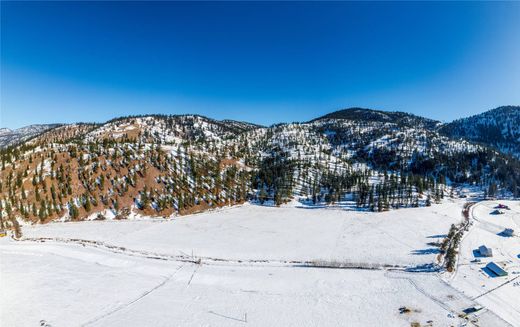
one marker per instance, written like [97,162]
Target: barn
[496,269]
[485,251]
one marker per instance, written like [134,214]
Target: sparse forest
[164,165]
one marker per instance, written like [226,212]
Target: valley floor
[243,266]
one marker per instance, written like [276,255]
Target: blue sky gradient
[259,62]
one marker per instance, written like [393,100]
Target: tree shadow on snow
[438,236]
[427,267]
[311,207]
[426,251]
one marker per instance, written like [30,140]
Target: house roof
[496,269]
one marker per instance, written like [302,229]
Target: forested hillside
[172,165]
[499,128]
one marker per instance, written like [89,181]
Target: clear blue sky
[260,62]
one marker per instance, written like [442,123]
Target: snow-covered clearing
[253,232]
[72,286]
[253,271]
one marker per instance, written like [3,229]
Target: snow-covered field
[253,232]
[253,270]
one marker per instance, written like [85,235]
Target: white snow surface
[254,232]
[107,273]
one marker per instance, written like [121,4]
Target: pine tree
[86,204]
[73,210]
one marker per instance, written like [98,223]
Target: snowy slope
[499,128]
[196,163]
[170,129]
[363,115]
[11,137]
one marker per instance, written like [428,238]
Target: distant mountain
[241,125]
[499,128]
[370,115]
[4,131]
[11,137]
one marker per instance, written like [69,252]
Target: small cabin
[485,251]
[508,232]
[496,269]
[3,233]
[501,206]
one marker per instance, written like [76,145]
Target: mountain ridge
[163,165]
[498,128]
[9,137]
[366,114]
[352,113]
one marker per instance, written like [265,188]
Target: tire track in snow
[494,289]
[193,274]
[441,303]
[126,305]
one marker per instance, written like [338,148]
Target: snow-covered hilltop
[5,131]
[161,129]
[370,115]
[12,137]
[499,128]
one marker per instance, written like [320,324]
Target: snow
[76,286]
[396,237]
[10,137]
[253,270]
[473,279]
